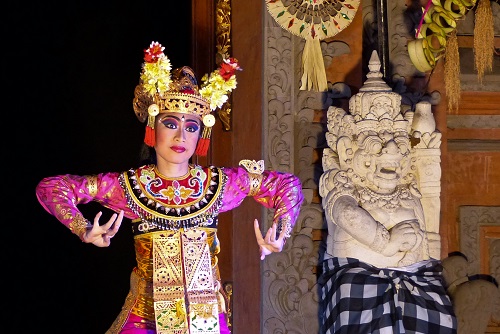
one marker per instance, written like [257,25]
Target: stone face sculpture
[380,223]
[371,165]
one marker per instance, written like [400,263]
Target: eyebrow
[193,120]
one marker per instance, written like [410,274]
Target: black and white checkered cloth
[359,298]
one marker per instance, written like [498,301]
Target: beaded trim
[155,215]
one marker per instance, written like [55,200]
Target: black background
[70,71]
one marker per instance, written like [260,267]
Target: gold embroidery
[79,226]
[178,257]
[92,185]
[255,170]
[284,223]
[255,182]
[168,288]
[138,289]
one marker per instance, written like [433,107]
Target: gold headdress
[161,90]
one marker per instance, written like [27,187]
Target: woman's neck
[172,169]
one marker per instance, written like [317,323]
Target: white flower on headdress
[156,70]
[220,82]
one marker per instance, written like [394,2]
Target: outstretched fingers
[271,234]
[113,224]
[97,217]
[258,234]
[100,235]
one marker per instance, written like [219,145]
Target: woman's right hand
[269,244]
[100,235]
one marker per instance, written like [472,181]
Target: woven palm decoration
[436,37]
[313,20]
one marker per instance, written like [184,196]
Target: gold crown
[184,103]
[182,96]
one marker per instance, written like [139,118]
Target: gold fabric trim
[255,182]
[140,300]
[79,226]
[92,185]
[200,285]
[168,286]
[284,223]
[138,287]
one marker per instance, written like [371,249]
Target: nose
[180,135]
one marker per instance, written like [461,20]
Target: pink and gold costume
[175,287]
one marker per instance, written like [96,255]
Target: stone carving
[380,192]
[371,162]
[290,295]
[294,135]
[472,219]
[474,296]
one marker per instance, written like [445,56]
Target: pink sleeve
[61,194]
[279,191]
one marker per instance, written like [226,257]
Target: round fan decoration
[313,20]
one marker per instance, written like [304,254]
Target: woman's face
[176,136]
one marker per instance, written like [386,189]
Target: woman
[173,204]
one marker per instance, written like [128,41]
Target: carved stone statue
[380,192]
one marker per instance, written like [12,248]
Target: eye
[403,144]
[192,127]
[169,123]
[372,144]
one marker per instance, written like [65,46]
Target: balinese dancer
[173,204]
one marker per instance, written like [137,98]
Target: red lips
[178,149]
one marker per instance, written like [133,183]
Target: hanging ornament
[484,39]
[452,72]
[313,20]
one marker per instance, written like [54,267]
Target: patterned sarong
[359,298]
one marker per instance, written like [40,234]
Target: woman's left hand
[269,244]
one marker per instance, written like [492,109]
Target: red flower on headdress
[154,52]
[228,68]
